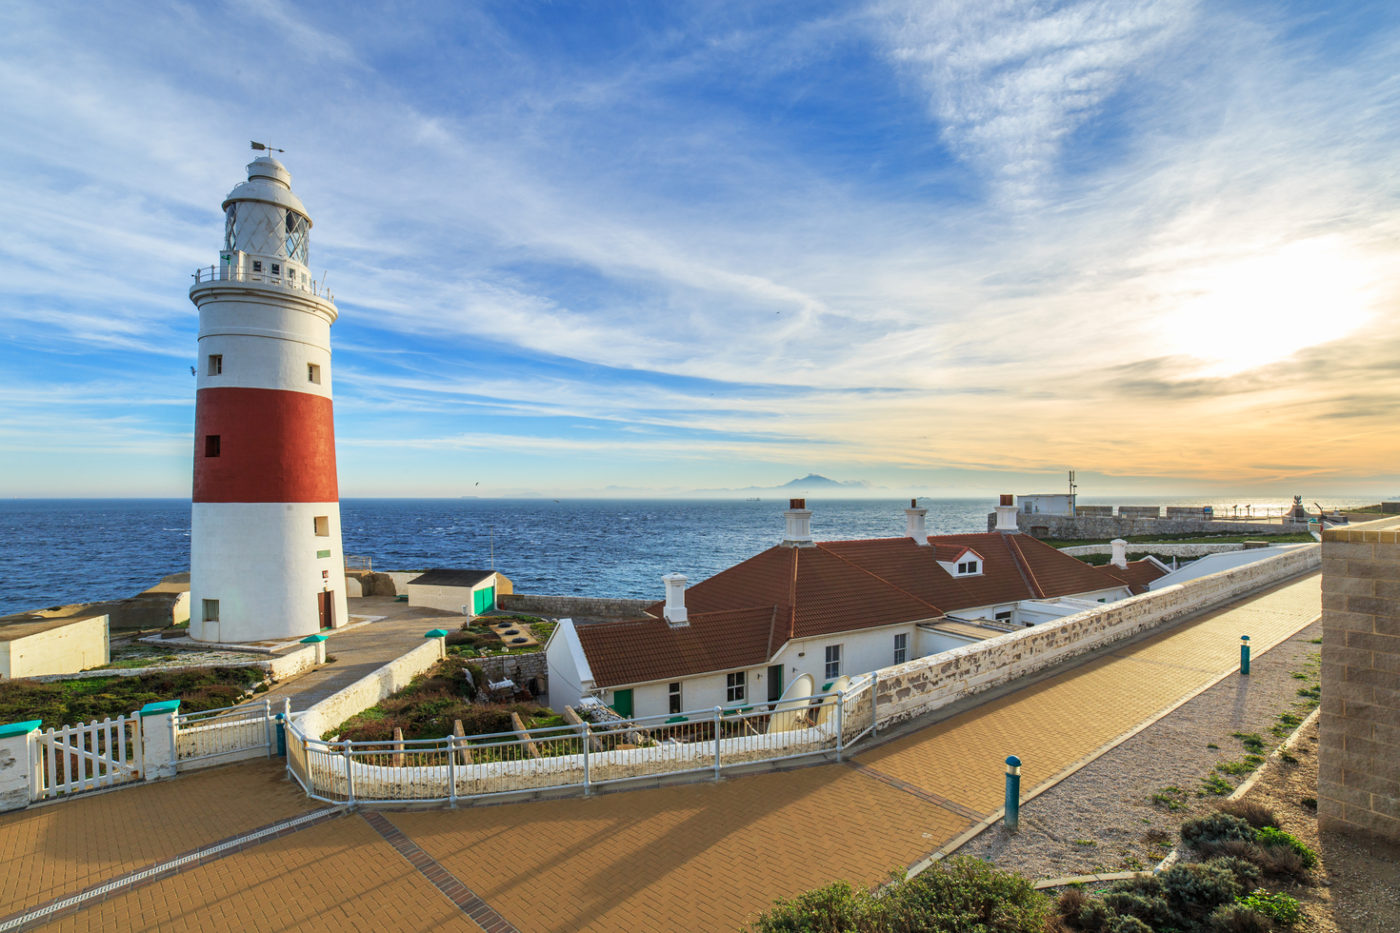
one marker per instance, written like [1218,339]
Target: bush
[1280,908]
[1194,890]
[1255,814]
[1236,918]
[1246,872]
[837,908]
[1270,837]
[1218,827]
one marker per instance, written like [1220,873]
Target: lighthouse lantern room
[265,554]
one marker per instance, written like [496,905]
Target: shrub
[1218,827]
[1152,910]
[1217,785]
[1255,814]
[1270,837]
[1236,918]
[1193,890]
[964,893]
[1070,902]
[1280,908]
[836,908]
[1246,872]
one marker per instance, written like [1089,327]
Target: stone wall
[521,668]
[574,607]
[927,684]
[1116,526]
[1165,549]
[1358,781]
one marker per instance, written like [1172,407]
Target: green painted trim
[323,553]
[20,728]
[313,639]
[436,633]
[162,706]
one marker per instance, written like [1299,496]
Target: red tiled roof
[1136,576]
[740,617]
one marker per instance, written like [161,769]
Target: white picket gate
[88,756]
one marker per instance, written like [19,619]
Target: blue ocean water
[56,551]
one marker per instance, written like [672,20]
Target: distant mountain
[817,481]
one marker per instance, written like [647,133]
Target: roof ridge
[792,597]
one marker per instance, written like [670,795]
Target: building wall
[65,649]
[566,685]
[452,598]
[1114,526]
[583,607]
[1358,782]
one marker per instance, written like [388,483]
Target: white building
[265,553]
[826,609]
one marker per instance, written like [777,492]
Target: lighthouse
[265,555]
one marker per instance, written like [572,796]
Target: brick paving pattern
[705,856]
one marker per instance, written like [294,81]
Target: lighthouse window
[323,526]
[276,269]
[296,237]
[211,445]
[313,373]
[216,364]
[211,610]
[257,265]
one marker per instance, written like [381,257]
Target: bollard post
[1244,654]
[1012,820]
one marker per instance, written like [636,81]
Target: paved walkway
[706,856]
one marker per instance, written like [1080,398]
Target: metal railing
[353,562]
[579,757]
[227,734]
[303,283]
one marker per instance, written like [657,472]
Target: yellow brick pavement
[1054,723]
[334,877]
[692,857]
[63,847]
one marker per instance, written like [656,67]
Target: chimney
[1006,514]
[914,523]
[675,613]
[1120,553]
[799,524]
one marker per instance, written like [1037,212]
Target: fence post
[719,711]
[269,726]
[874,698]
[159,738]
[586,739]
[452,770]
[349,772]
[840,724]
[19,743]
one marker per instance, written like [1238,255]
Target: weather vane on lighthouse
[264,147]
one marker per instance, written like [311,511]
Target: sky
[953,248]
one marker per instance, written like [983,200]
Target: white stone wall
[76,646]
[921,686]
[1164,548]
[369,690]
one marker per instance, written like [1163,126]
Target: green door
[622,702]
[483,600]
[775,683]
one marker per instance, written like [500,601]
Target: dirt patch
[1355,889]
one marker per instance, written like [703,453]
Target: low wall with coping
[930,683]
[588,607]
[369,690]
[1166,549]
[278,668]
[1116,526]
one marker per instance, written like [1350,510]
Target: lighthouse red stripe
[274,446]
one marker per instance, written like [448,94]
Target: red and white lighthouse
[265,554]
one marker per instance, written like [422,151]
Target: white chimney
[1006,514]
[799,524]
[1120,553]
[914,526]
[675,600]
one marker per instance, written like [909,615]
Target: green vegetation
[478,638]
[1280,908]
[1217,785]
[1170,798]
[69,702]
[1186,538]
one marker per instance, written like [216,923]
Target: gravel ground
[1103,817]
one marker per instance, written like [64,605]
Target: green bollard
[1012,820]
[1244,654]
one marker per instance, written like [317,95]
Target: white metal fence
[579,757]
[88,756]
[218,736]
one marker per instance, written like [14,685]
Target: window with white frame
[967,568]
[673,693]
[833,662]
[901,648]
[1004,615]
[734,687]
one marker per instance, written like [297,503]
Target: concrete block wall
[1125,524]
[927,684]
[1358,782]
[587,607]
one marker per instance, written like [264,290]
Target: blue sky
[950,248]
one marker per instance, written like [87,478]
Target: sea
[58,551]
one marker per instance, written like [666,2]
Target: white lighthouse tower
[265,555]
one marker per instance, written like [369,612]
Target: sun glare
[1250,312]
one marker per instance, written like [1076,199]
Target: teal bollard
[1244,654]
[1012,820]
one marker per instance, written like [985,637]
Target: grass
[1170,797]
[1215,785]
[69,702]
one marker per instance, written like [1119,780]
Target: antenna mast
[1073,502]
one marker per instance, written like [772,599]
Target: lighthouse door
[327,603]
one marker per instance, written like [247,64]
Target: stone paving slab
[337,876]
[60,848]
[690,857]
